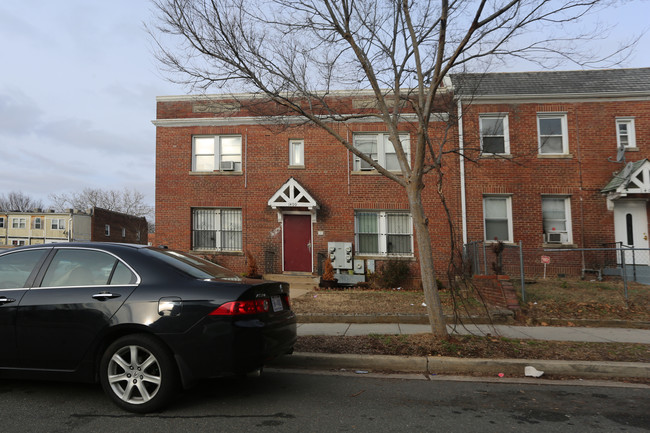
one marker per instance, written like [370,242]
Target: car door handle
[105,295]
[5,300]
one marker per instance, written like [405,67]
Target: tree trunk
[427,270]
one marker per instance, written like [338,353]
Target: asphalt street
[289,401]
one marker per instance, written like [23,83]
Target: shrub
[393,274]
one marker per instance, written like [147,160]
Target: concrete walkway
[551,333]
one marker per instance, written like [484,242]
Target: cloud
[19,114]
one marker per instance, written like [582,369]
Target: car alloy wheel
[138,373]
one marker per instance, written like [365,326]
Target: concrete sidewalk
[551,333]
[441,365]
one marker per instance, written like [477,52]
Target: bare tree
[400,51]
[17,201]
[127,201]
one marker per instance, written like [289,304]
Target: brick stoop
[497,290]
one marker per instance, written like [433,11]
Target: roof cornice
[269,120]
[561,97]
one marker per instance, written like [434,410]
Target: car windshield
[194,266]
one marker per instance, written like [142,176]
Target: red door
[297,243]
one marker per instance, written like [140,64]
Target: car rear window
[194,266]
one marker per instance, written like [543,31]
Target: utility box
[359,267]
[340,253]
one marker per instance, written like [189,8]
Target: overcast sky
[78,86]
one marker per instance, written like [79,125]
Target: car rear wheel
[138,373]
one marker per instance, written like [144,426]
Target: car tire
[139,374]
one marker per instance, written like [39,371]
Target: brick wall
[117,221]
[327,176]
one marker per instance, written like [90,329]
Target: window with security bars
[217,229]
[383,233]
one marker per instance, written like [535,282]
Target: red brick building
[541,150]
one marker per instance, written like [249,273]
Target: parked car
[142,321]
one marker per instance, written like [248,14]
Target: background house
[540,151]
[96,224]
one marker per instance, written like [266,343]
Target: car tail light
[287,301]
[238,308]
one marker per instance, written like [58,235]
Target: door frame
[311,235]
[620,225]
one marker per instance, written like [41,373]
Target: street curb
[444,365]
[423,319]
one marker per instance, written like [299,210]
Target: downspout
[582,210]
[463,201]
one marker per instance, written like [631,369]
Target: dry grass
[570,299]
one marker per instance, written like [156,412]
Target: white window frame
[217,153]
[631,133]
[107,229]
[123,232]
[382,234]
[2,222]
[18,223]
[57,223]
[38,223]
[218,230]
[508,201]
[297,153]
[564,132]
[566,236]
[506,132]
[384,147]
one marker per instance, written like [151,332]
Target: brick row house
[551,160]
[72,225]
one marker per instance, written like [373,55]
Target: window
[2,222]
[497,211]
[383,233]
[380,149]
[217,229]
[17,243]
[552,134]
[556,216]
[494,133]
[38,223]
[137,236]
[78,267]
[625,133]
[58,224]
[297,152]
[15,268]
[123,232]
[107,229]
[216,153]
[18,223]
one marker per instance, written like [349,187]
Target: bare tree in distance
[292,53]
[127,201]
[18,202]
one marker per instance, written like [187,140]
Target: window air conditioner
[555,238]
[227,166]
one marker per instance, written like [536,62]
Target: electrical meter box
[340,254]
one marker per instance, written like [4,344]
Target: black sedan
[142,321]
